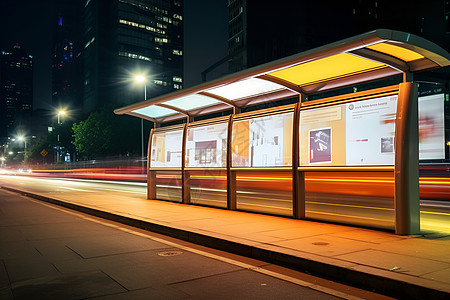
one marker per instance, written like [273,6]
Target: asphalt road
[48,252]
[434,214]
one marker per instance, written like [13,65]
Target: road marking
[75,189]
[274,274]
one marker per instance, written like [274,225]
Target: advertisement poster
[370,131]
[263,142]
[431,127]
[320,145]
[166,149]
[322,136]
[351,134]
[206,146]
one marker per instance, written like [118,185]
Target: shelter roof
[374,55]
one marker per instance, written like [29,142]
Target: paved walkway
[412,267]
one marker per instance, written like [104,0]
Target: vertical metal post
[406,199]
[151,175]
[185,175]
[231,176]
[298,178]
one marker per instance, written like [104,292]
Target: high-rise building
[66,61]
[125,38]
[262,31]
[16,91]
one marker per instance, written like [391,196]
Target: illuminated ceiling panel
[193,101]
[245,88]
[328,68]
[154,111]
[396,51]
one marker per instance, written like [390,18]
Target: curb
[371,282]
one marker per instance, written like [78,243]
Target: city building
[66,60]
[126,38]
[16,91]
[260,31]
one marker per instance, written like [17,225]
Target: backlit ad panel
[431,127]
[359,133]
[206,146]
[166,149]
[263,141]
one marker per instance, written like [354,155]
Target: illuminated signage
[263,141]
[350,134]
[166,149]
[431,127]
[206,146]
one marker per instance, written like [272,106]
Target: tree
[103,133]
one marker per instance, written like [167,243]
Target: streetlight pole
[142,126]
[141,78]
[60,113]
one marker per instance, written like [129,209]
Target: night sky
[29,23]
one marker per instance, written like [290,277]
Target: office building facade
[16,91]
[262,31]
[66,60]
[125,38]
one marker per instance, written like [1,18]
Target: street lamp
[22,138]
[142,79]
[60,113]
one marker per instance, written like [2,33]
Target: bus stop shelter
[350,158]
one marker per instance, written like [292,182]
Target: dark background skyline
[30,24]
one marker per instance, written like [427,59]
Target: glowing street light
[60,113]
[22,138]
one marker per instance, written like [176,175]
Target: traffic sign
[44,152]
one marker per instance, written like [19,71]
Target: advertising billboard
[206,146]
[263,141]
[166,149]
[431,127]
[350,134]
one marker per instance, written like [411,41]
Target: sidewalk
[413,267]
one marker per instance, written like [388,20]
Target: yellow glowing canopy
[374,55]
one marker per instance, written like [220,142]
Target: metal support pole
[151,175]
[185,175]
[406,199]
[231,176]
[298,178]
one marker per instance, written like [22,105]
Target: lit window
[175,16]
[160,82]
[177,79]
[177,52]
[161,40]
[178,86]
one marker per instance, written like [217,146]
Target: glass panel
[357,198]
[265,191]
[191,102]
[155,111]
[166,149]
[209,187]
[358,133]
[168,185]
[263,141]
[206,146]
[335,66]
[246,88]
[396,51]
